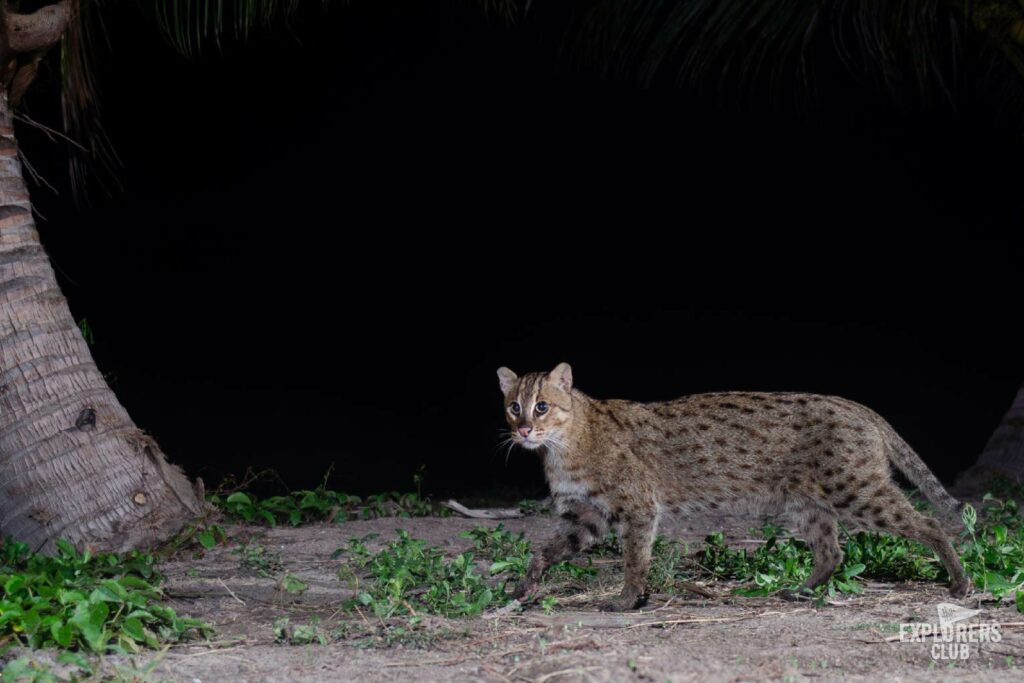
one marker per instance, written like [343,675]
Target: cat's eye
[541,408]
[514,408]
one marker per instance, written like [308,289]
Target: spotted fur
[819,459]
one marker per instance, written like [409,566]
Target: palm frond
[913,48]
[190,25]
[506,10]
[90,155]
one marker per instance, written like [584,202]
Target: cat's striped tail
[913,468]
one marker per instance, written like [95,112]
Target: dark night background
[330,238]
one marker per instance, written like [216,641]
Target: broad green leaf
[17,668]
[293,584]
[65,548]
[206,539]
[89,619]
[14,583]
[66,597]
[76,659]
[853,570]
[62,633]
[133,627]
[238,498]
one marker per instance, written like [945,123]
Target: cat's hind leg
[887,510]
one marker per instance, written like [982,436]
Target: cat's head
[538,406]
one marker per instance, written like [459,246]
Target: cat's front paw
[627,600]
[960,588]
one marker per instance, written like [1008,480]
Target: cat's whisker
[507,443]
[556,443]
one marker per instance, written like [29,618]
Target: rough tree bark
[1003,454]
[72,462]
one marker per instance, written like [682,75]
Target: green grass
[102,603]
[993,548]
[780,563]
[109,603]
[324,505]
[257,559]
[320,505]
[407,577]
[287,633]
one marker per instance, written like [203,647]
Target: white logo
[949,614]
[951,639]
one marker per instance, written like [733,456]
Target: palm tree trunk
[1003,454]
[72,463]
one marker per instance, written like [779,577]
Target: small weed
[533,507]
[86,329]
[607,547]
[300,634]
[200,536]
[993,548]
[1003,487]
[667,560]
[407,577]
[257,559]
[211,536]
[29,670]
[509,553]
[292,584]
[410,633]
[572,571]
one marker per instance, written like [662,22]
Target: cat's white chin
[531,445]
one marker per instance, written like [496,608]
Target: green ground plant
[319,505]
[95,604]
[407,577]
[73,667]
[258,559]
[299,634]
[80,601]
[778,564]
[993,548]
[324,505]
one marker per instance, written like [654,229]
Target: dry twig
[496,513]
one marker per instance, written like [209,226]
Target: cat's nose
[525,430]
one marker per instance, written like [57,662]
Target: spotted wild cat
[820,459]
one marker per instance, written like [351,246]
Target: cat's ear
[507,379]
[562,377]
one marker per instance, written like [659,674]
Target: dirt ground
[680,638]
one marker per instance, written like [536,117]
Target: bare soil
[677,638]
